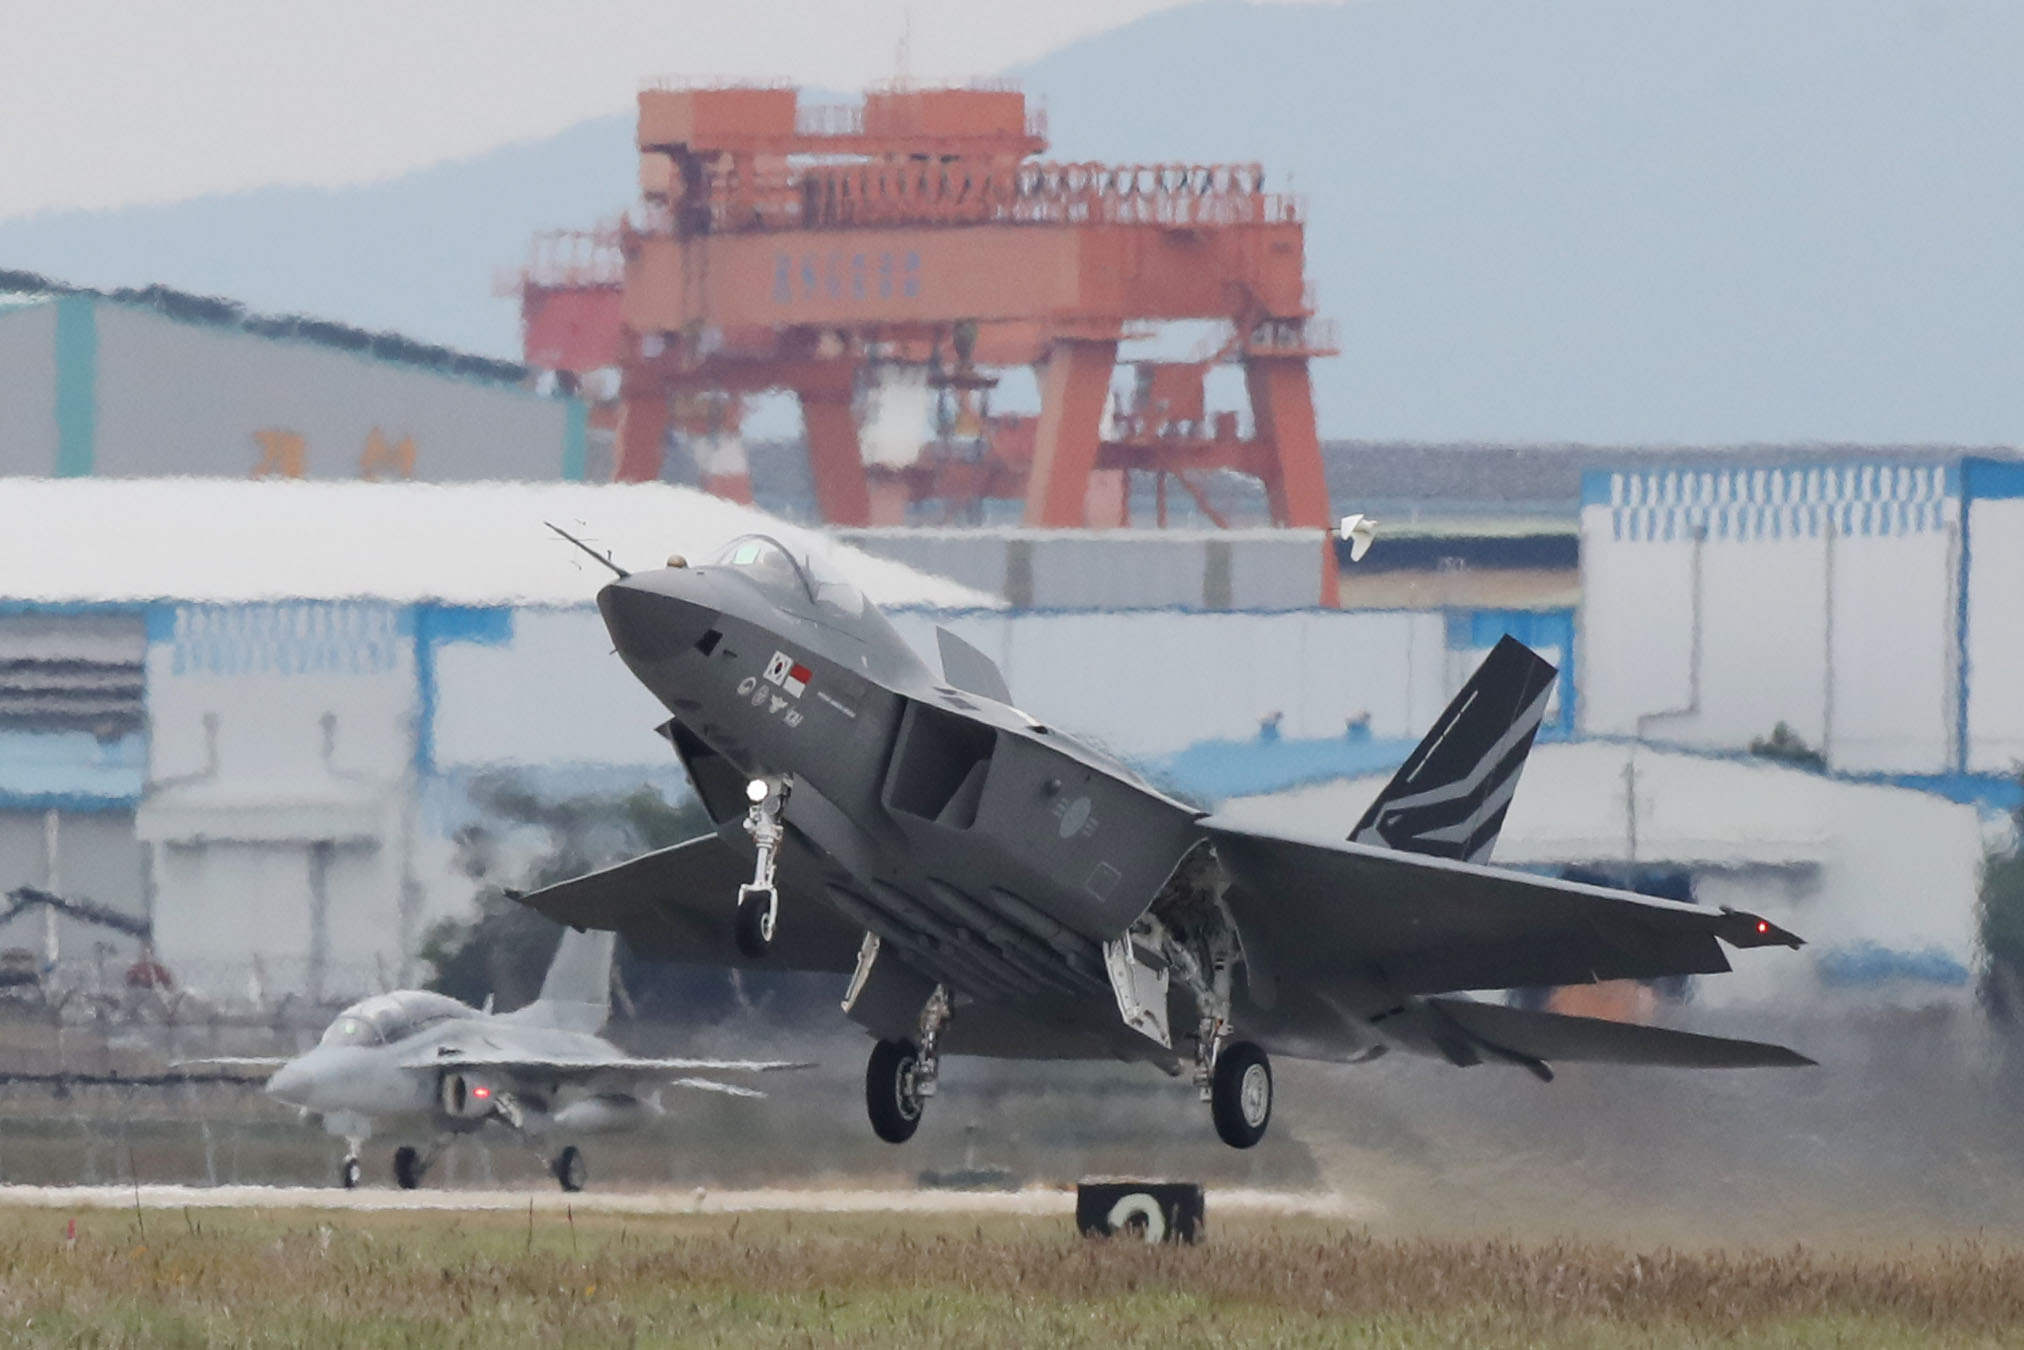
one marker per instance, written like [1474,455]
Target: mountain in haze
[1601,220]
[415,254]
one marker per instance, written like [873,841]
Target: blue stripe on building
[434,626]
[1798,502]
[575,440]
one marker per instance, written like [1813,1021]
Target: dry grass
[242,1277]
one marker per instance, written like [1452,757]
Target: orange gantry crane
[800,248]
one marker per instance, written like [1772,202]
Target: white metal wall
[1995,637]
[1718,603]
[553,693]
[276,729]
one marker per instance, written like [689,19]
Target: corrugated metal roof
[81,541]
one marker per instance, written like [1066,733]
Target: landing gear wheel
[407,1167]
[569,1169]
[1240,1094]
[755,921]
[891,1095]
[348,1174]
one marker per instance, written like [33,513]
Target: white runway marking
[1036,1201]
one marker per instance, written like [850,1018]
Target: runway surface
[1050,1201]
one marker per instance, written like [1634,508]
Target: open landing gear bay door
[679,904]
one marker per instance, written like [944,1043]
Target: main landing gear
[569,1170]
[1200,942]
[1234,1077]
[759,902]
[901,1074]
[411,1165]
[1240,1094]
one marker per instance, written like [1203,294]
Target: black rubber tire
[569,1169]
[1240,1094]
[751,925]
[349,1173]
[894,1109]
[407,1167]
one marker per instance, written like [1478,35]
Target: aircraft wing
[1422,925]
[677,905]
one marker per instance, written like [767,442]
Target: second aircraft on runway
[427,1065]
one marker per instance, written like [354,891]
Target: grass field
[241,1277]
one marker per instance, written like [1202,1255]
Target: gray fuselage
[988,853]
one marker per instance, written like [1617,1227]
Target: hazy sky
[109,103]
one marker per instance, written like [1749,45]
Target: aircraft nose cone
[648,621]
[290,1083]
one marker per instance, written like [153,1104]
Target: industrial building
[155,383]
[1871,606]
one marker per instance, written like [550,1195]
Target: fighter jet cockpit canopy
[806,577]
[386,1019]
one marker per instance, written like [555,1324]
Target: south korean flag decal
[784,671]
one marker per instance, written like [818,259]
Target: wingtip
[1741,929]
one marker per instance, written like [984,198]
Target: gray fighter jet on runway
[995,886]
[433,1065]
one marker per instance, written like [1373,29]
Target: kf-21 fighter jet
[428,1063]
[995,886]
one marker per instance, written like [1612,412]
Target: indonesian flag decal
[788,673]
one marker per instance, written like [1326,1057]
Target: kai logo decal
[1076,818]
[789,674]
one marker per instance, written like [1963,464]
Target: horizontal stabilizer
[1523,1036]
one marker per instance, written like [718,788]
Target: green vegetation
[218,1277]
[2000,917]
[1786,746]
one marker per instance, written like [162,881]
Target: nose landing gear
[759,902]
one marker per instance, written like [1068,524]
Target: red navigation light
[1763,926]
[481,1093]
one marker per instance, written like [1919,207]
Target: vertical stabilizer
[576,992]
[1449,798]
